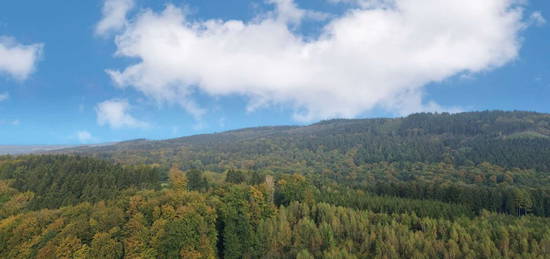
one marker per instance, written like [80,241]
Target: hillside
[506,139]
[468,185]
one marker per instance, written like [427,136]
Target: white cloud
[537,19]
[4,96]
[84,136]
[114,16]
[114,113]
[367,3]
[18,60]
[379,54]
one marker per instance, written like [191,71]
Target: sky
[84,72]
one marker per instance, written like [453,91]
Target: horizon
[248,128]
[141,69]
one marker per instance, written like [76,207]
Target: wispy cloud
[537,19]
[115,113]
[4,96]
[15,122]
[18,60]
[84,136]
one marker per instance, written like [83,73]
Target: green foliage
[392,205]
[311,218]
[104,246]
[242,210]
[57,181]
[294,188]
[502,199]
[235,176]
[196,180]
[347,145]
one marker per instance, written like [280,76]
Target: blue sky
[190,83]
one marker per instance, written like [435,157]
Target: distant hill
[15,150]
[508,139]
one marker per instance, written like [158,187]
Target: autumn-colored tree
[178,181]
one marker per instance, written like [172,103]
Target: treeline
[508,200]
[358,199]
[56,181]
[483,174]
[482,187]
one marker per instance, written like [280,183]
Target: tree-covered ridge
[507,139]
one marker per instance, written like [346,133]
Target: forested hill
[469,185]
[508,139]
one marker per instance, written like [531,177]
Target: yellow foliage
[191,254]
[68,247]
[178,181]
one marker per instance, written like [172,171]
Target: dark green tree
[196,181]
[235,176]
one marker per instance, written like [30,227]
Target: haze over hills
[38,149]
[27,149]
[508,139]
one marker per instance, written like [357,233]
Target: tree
[235,176]
[177,179]
[196,180]
[294,188]
[68,247]
[104,246]
[523,202]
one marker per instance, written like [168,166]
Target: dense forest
[252,214]
[469,185]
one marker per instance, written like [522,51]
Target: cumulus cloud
[378,54]
[115,113]
[4,96]
[16,59]
[114,16]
